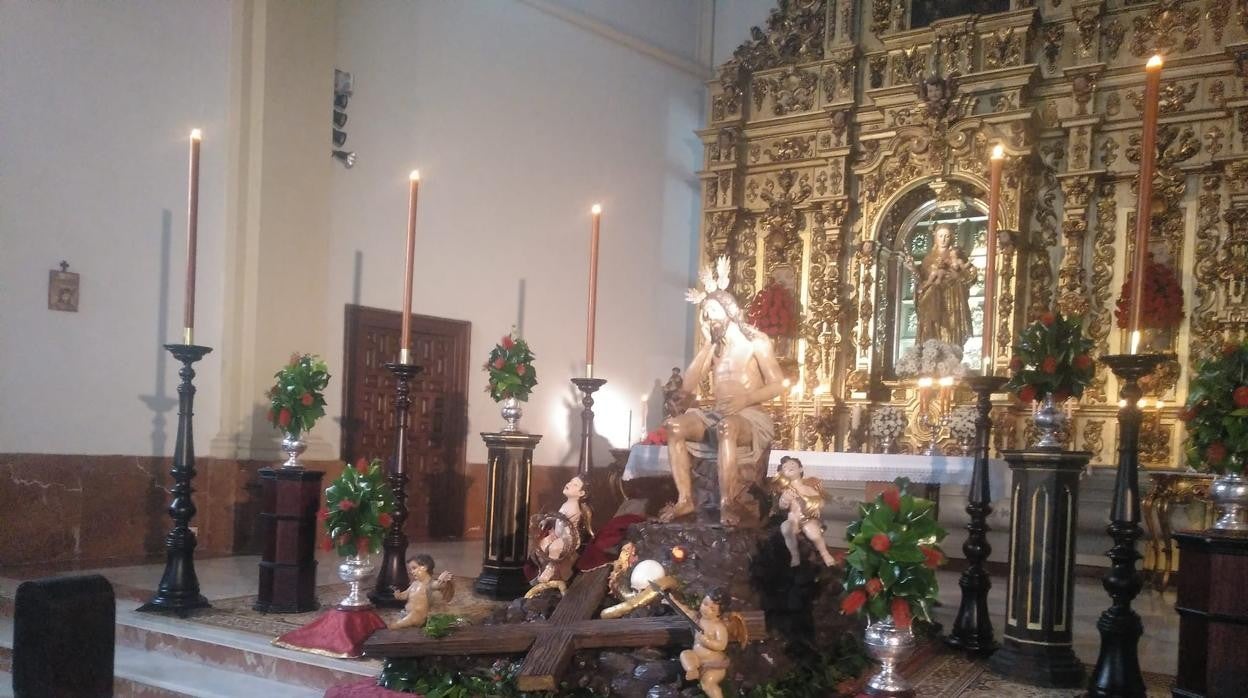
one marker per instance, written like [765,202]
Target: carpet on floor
[944,673]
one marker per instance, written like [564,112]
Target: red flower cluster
[658,437]
[853,602]
[880,543]
[931,556]
[901,613]
[774,311]
[874,586]
[1240,396]
[1163,298]
[892,498]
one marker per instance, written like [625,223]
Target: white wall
[98,101]
[519,121]
[733,19]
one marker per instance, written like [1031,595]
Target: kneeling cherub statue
[559,538]
[707,661]
[419,594]
[803,498]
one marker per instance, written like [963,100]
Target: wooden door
[437,419]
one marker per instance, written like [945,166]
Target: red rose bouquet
[358,509]
[511,371]
[894,550]
[297,399]
[1216,412]
[1051,356]
[774,311]
[1163,298]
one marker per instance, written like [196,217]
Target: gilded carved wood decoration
[830,124]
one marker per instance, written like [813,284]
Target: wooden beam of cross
[551,643]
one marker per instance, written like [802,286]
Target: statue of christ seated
[735,432]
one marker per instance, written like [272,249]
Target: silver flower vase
[353,570]
[293,447]
[1229,493]
[1051,421]
[511,413]
[888,645]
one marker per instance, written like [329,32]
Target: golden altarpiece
[844,129]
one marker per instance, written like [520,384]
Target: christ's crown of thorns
[711,281]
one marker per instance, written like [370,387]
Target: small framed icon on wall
[63,289]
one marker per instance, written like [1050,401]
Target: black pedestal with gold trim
[1036,646]
[508,465]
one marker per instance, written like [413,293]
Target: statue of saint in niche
[943,290]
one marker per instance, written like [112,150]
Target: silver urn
[353,570]
[888,645]
[1050,420]
[511,414]
[293,447]
[1229,493]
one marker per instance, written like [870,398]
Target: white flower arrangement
[962,424]
[888,422]
[933,358]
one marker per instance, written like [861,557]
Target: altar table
[651,461]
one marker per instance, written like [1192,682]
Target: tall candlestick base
[587,386]
[1117,671]
[393,569]
[178,591]
[972,627]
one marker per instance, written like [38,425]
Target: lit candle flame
[1154,63]
[414,176]
[946,381]
[596,210]
[196,134]
[786,382]
[1122,403]
[1160,405]
[998,152]
[821,390]
[678,554]
[925,382]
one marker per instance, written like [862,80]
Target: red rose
[1016,364]
[874,586]
[346,505]
[892,498]
[1027,393]
[1048,319]
[853,602]
[1083,362]
[508,342]
[499,363]
[880,543]
[901,613]
[838,557]
[1240,396]
[362,466]
[327,544]
[384,519]
[306,399]
[520,369]
[932,557]
[283,418]
[1215,453]
[1049,365]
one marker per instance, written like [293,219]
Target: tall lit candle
[1143,210]
[192,238]
[946,394]
[405,354]
[645,415]
[990,261]
[595,216]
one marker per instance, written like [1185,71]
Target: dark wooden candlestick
[972,628]
[179,586]
[1117,671]
[393,570]
[587,386]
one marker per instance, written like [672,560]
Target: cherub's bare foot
[828,559]
[794,561]
[677,509]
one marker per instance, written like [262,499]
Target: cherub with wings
[803,498]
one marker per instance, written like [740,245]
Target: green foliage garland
[297,399]
[511,370]
[1217,412]
[358,509]
[1051,356]
[890,568]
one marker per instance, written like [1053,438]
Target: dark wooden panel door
[438,416]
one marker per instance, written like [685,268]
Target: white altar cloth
[651,461]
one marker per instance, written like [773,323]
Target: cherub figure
[707,661]
[803,498]
[557,549]
[419,594]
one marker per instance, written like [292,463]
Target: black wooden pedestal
[1213,614]
[1036,645]
[508,465]
[290,497]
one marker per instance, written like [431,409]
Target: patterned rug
[946,674]
[237,613]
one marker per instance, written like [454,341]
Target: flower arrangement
[297,399]
[888,423]
[658,437]
[962,424]
[358,509]
[774,311]
[894,550]
[1163,298]
[511,370]
[1216,412]
[1051,356]
[933,358]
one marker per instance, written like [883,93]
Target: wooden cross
[550,643]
